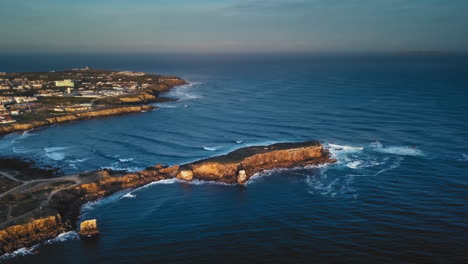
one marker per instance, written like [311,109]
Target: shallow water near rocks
[396,124]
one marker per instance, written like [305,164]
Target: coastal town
[35,96]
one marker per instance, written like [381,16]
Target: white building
[65,83]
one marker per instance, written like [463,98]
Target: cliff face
[242,164]
[151,94]
[5,129]
[27,235]
[235,167]
[89,228]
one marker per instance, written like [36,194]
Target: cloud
[303,6]
[271,6]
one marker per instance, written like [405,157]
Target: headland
[31,100]
[37,209]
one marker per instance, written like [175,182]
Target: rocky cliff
[14,127]
[151,94]
[240,165]
[27,235]
[89,228]
[235,167]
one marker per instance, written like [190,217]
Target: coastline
[107,106]
[60,211]
[18,127]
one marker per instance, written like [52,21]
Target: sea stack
[242,177]
[89,228]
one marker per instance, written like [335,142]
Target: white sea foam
[71,235]
[82,160]
[397,150]
[212,148]
[24,135]
[126,160]
[20,149]
[55,153]
[184,92]
[116,167]
[464,157]
[7,140]
[336,147]
[56,156]
[200,182]
[20,252]
[354,164]
[259,176]
[166,105]
[337,181]
[239,141]
[165,181]
[55,149]
[128,195]
[33,250]
[344,154]
[394,165]
[333,186]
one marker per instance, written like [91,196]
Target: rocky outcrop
[89,228]
[186,175]
[151,94]
[240,165]
[14,127]
[27,235]
[235,167]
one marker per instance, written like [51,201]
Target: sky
[159,26]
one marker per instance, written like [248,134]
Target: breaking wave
[212,148]
[464,157]
[128,195]
[126,160]
[397,150]
[371,160]
[63,237]
[56,153]
[55,149]
[20,252]
[184,93]
[259,176]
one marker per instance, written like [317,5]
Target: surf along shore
[35,210]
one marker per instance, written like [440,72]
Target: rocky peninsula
[54,204]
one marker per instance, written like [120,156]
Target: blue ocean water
[398,126]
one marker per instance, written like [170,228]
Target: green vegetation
[58,100]
[7,184]
[25,207]
[62,183]
[3,212]
[20,203]
[110,101]
[31,117]
[28,170]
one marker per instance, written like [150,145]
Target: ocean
[397,124]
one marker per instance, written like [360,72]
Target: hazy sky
[232,25]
